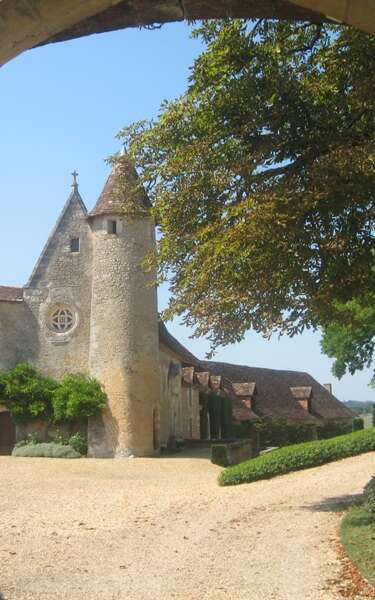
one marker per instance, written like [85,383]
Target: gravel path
[152,529]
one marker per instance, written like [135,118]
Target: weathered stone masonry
[89,306]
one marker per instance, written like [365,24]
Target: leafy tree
[262,177]
[77,397]
[350,339]
[26,393]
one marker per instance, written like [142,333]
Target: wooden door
[7,433]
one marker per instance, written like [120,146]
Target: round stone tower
[124,342]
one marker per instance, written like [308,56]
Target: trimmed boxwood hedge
[299,456]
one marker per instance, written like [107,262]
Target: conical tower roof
[123,192]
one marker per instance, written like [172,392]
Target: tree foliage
[262,178]
[350,337]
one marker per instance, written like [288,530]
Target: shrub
[79,443]
[281,433]
[219,455]
[358,424]
[46,450]
[300,456]
[77,397]
[30,440]
[332,429]
[26,393]
[369,494]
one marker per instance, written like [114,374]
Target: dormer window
[112,227]
[303,395]
[74,245]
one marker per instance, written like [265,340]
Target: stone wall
[170,394]
[233,453]
[62,278]
[19,338]
[46,432]
[190,412]
[124,344]
[179,409]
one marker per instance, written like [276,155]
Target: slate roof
[122,191]
[11,294]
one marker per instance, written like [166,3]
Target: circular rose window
[62,320]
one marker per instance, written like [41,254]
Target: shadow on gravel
[336,503]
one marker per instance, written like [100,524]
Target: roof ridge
[207,362]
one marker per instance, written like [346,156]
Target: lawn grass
[299,456]
[358,539]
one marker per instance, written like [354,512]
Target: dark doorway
[156,429]
[215,416]
[7,433]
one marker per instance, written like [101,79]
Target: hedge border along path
[299,456]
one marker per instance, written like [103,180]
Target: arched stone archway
[28,23]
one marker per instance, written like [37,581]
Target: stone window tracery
[62,320]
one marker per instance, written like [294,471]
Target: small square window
[112,227]
[74,245]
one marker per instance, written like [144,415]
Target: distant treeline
[361,408]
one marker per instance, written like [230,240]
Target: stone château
[89,306]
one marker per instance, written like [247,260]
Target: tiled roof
[122,191]
[10,294]
[274,397]
[241,412]
[275,392]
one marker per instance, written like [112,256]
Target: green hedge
[358,424]
[369,495]
[278,432]
[46,450]
[300,456]
[332,429]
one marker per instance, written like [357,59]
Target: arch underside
[25,24]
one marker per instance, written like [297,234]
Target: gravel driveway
[152,529]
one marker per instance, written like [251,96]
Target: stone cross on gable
[75,182]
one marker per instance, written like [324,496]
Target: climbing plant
[30,395]
[26,393]
[77,397]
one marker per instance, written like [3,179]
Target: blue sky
[60,108]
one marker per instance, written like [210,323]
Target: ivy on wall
[29,395]
[219,409]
